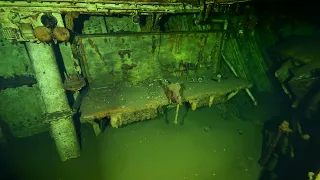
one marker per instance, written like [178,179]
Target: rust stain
[82,53]
[96,49]
[83,57]
[154,44]
[91,43]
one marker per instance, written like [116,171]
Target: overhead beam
[106,7]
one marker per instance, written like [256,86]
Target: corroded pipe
[283,128]
[264,159]
[55,100]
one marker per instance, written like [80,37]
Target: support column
[55,100]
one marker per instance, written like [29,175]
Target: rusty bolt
[43,34]
[61,34]
[136,19]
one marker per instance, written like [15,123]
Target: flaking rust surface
[197,90]
[104,102]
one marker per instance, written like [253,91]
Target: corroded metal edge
[105,7]
[120,117]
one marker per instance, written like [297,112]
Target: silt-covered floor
[209,145]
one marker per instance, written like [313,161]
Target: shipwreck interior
[159,89]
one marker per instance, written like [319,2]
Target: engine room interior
[159,89]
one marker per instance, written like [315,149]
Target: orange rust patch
[96,49]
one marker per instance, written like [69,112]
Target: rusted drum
[43,34]
[61,34]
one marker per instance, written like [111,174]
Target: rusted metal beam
[133,2]
[107,7]
[96,8]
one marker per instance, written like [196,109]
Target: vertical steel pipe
[55,100]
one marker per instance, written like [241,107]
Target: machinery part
[74,82]
[283,128]
[236,74]
[43,34]
[299,82]
[55,100]
[49,21]
[61,34]
[173,93]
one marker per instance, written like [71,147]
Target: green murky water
[151,150]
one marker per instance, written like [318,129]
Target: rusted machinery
[144,92]
[120,65]
[299,72]
[298,64]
